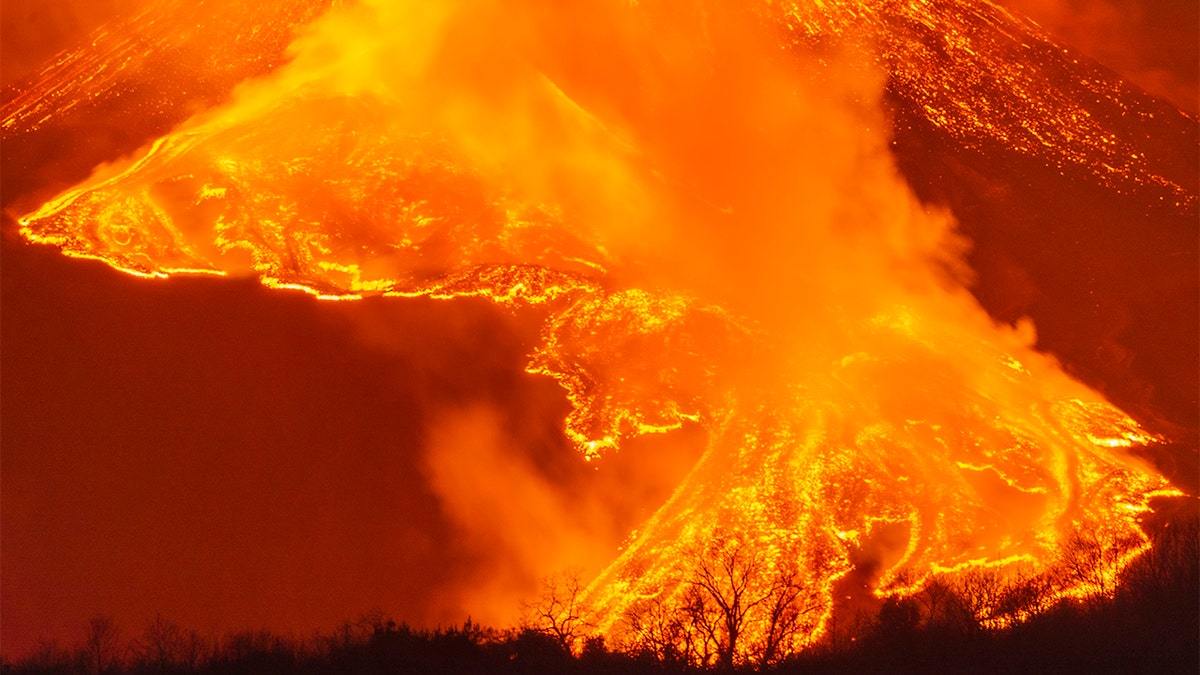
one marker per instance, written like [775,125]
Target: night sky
[234,457]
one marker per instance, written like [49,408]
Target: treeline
[1150,623]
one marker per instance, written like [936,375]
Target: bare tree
[1169,567]
[357,632]
[723,591]
[161,644]
[733,604]
[933,597]
[1024,594]
[195,649]
[261,646]
[659,629]
[788,606]
[375,621]
[559,612]
[1087,562]
[102,644]
[49,657]
[979,592]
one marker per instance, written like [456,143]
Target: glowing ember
[714,231]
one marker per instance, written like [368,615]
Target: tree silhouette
[102,644]
[979,593]
[731,604]
[161,645]
[1087,562]
[658,629]
[558,612]
[789,606]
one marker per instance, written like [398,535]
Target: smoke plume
[703,219]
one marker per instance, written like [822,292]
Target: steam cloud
[712,233]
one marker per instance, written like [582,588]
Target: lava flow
[699,201]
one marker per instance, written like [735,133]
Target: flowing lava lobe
[699,202]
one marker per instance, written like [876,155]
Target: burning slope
[714,232]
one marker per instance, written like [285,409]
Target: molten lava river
[699,204]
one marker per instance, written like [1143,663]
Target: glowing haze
[698,204]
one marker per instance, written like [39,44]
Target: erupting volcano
[708,209]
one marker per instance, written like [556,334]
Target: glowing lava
[701,203]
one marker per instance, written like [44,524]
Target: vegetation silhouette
[1148,623]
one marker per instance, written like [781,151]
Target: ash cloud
[696,162]
[691,159]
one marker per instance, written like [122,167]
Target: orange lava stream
[407,151]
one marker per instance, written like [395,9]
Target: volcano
[821,232]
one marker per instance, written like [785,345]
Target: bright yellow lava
[850,391]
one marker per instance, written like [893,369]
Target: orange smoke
[702,210]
